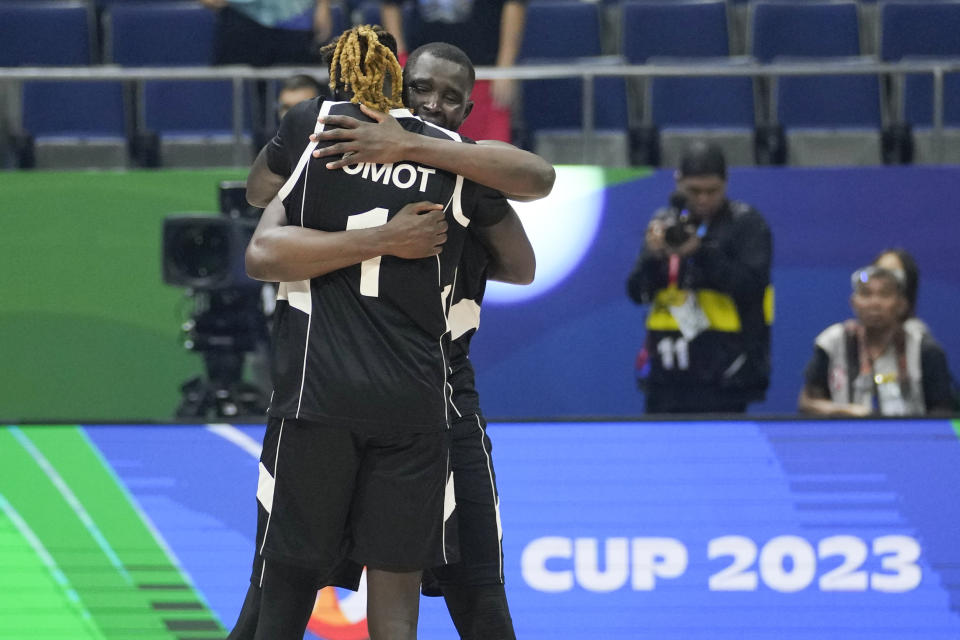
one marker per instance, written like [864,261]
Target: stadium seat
[552,114]
[194,119]
[680,109]
[66,124]
[921,31]
[829,120]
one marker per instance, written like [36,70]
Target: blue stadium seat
[919,31]
[674,28]
[176,34]
[691,34]
[804,30]
[59,34]
[828,119]
[558,31]
[367,13]
[564,31]
[702,102]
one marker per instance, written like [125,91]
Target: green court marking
[615,176]
[956,427]
[38,600]
[62,489]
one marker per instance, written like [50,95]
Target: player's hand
[417,231]
[214,4]
[381,141]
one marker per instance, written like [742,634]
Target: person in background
[881,362]
[295,90]
[262,33]
[705,271]
[490,32]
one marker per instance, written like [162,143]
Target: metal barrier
[588,70]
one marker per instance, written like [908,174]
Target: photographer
[705,271]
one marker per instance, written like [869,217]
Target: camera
[678,226]
[204,254]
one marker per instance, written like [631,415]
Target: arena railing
[587,70]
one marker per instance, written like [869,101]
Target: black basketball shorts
[478,510]
[330,497]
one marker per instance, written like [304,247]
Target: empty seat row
[35,32]
[696,34]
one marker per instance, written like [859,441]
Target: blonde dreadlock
[359,62]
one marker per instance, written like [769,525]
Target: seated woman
[880,363]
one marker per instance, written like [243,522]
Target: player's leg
[393,604]
[307,478]
[473,588]
[479,611]
[246,624]
[286,601]
[399,525]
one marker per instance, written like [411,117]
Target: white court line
[232,434]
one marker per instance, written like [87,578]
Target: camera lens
[202,251]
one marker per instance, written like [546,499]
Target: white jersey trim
[458,203]
[493,494]
[297,294]
[305,156]
[464,316]
[276,459]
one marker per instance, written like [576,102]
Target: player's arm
[278,158]
[284,253]
[511,255]
[499,166]
[262,183]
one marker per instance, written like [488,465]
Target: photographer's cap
[702,159]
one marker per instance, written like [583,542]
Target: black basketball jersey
[366,346]
[468,290]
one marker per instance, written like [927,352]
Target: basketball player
[355,443]
[437,82]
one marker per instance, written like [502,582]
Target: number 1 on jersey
[369,269]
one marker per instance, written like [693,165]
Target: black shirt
[472,25]
[468,293]
[733,261]
[366,346]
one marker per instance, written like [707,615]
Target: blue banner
[795,530]
[566,345]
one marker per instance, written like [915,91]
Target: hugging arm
[500,166]
[285,253]
[512,258]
